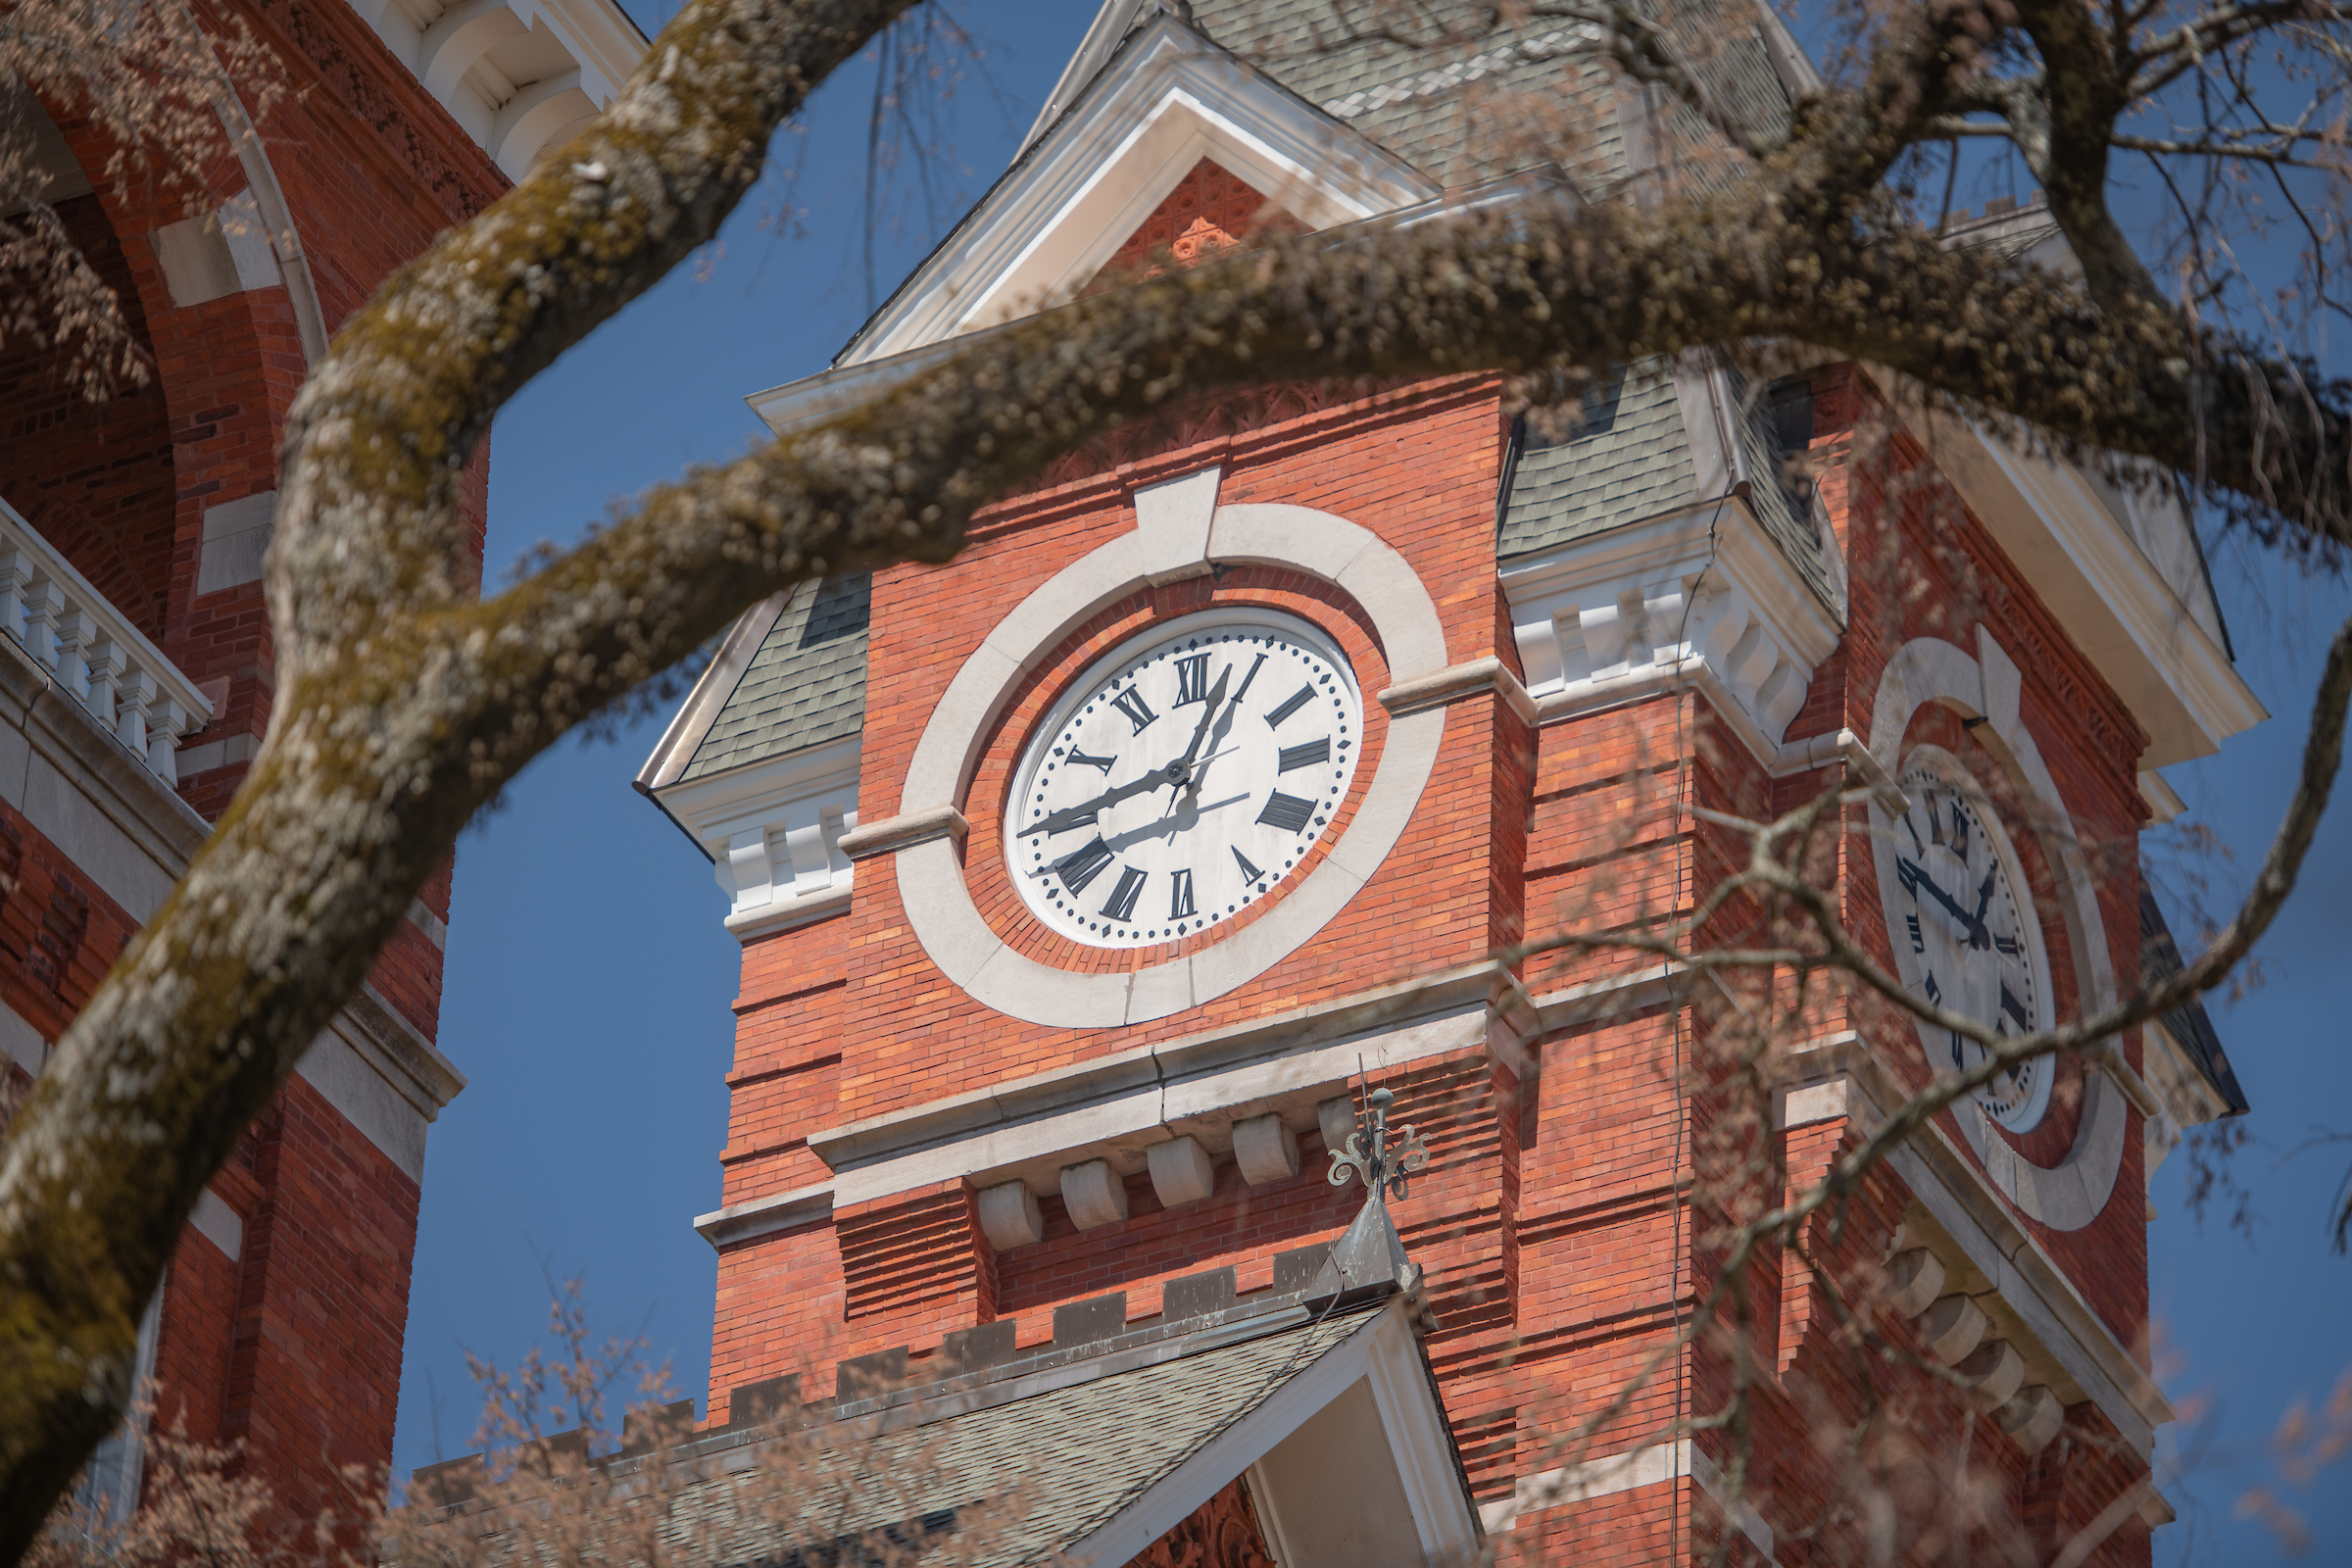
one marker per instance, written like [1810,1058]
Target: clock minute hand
[1208,716]
[1980,935]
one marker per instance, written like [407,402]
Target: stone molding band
[1457,683]
[904,831]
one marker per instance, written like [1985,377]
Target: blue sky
[589,976]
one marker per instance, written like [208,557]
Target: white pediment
[1166,99]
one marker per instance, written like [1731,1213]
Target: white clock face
[1965,930]
[1183,777]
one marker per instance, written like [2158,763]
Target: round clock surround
[2071,1194]
[1182,533]
[1183,777]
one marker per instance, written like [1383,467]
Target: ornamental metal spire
[1384,1169]
[1371,1253]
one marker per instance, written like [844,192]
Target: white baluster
[73,628]
[16,572]
[166,722]
[106,660]
[135,694]
[42,602]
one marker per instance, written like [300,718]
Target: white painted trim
[2072,1193]
[2116,605]
[1565,1485]
[939,905]
[1168,98]
[219,1224]
[674,752]
[1386,1350]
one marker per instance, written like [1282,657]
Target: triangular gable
[1167,99]
[1212,208]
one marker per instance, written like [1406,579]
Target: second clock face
[1183,777]
[1966,930]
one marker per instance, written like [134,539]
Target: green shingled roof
[806,686]
[1072,1456]
[1626,457]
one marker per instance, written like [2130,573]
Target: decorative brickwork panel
[1222,1532]
[1210,210]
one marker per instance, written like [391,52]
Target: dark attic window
[1787,411]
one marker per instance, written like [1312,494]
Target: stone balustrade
[92,652]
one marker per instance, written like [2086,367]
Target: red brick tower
[136,667]
[1086,884]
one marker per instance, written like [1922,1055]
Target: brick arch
[95,480]
[229,351]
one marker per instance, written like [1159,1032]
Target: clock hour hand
[1079,815]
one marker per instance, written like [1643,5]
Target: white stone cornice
[2086,1359]
[774,830]
[518,74]
[2115,602]
[1702,594]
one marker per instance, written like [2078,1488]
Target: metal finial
[1368,1154]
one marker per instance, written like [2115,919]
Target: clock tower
[1105,894]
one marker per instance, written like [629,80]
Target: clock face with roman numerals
[1183,777]
[1964,929]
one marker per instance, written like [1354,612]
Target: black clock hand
[1070,817]
[1979,934]
[1182,768]
[1914,879]
[1175,772]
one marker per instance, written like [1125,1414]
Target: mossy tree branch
[405,706]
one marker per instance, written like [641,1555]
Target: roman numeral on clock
[1191,680]
[1081,864]
[2008,947]
[1102,763]
[1305,756]
[1249,873]
[1138,713]
[1120,905]
[1180,896]
[1290,705]
[1933,991]
[2015,1008]
[1287,812]
[1247,679]
[1959,829]
[1919,943]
